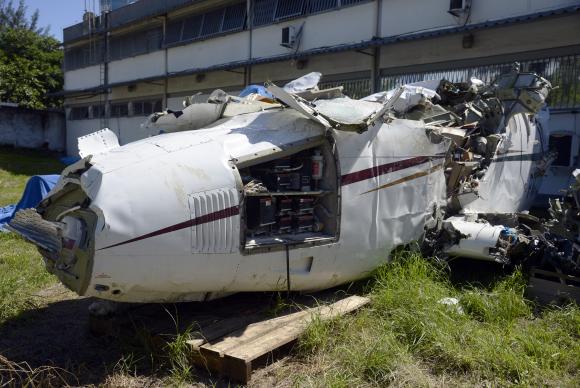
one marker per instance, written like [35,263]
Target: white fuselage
[171,221]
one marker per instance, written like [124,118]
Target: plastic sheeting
[36,189]
[256,89]
[306,82]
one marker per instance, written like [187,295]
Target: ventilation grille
[216,221]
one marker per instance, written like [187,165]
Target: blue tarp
[258,89]
[68,160]
[36,189]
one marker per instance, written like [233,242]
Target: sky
[59,13]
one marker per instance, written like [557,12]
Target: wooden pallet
[547,286]
[234,347]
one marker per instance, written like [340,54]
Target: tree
[30,60]
[14,17]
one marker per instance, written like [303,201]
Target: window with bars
[354,88]
[79,113]
[120,109]
[146,107]
[563,72]
[97,111]
[270,11]
[227,19]
[288,8]
[322,5]
[86,55]
[212,22]
[133,44]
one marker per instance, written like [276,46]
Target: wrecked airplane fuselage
[303,192]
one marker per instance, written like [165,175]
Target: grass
[22,271]
[408,337]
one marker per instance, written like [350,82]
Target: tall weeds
[487,336]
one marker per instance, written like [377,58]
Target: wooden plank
[547,291]
[234,354]
[221,328]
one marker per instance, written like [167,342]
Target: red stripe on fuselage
[225,213]
[383,169]
[346,179]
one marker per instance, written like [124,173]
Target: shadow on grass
[22,161]
[58,335]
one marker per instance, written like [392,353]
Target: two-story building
[135,59]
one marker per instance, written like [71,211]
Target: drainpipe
[376,57]
[166,65]
[107,91]
[248,68]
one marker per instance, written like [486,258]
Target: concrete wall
[28,128]
[140,66]
[127,129]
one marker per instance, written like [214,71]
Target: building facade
[124,64]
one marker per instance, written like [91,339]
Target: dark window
[289,8]
[322,5]
[138,43]
[157,106]
[98,111]
[212,22]
[563,145]
[192,27]
[349,2]
[138,108]
[456,4]
[146,107]
[79,113]
[119,110]
[173,31]
[264,12]
[87,55]
[234,17]
[154,38]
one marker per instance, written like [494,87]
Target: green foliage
[14,17]
[178,353]
[30,60]
[408,337]
[30,68]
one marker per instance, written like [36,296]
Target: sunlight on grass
[17,165]
[22,271]
[492,336]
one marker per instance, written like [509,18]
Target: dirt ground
[58,335]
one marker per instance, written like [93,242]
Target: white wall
[213,51]
[408,16]
[347,25]
[82,78]
[141,66]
